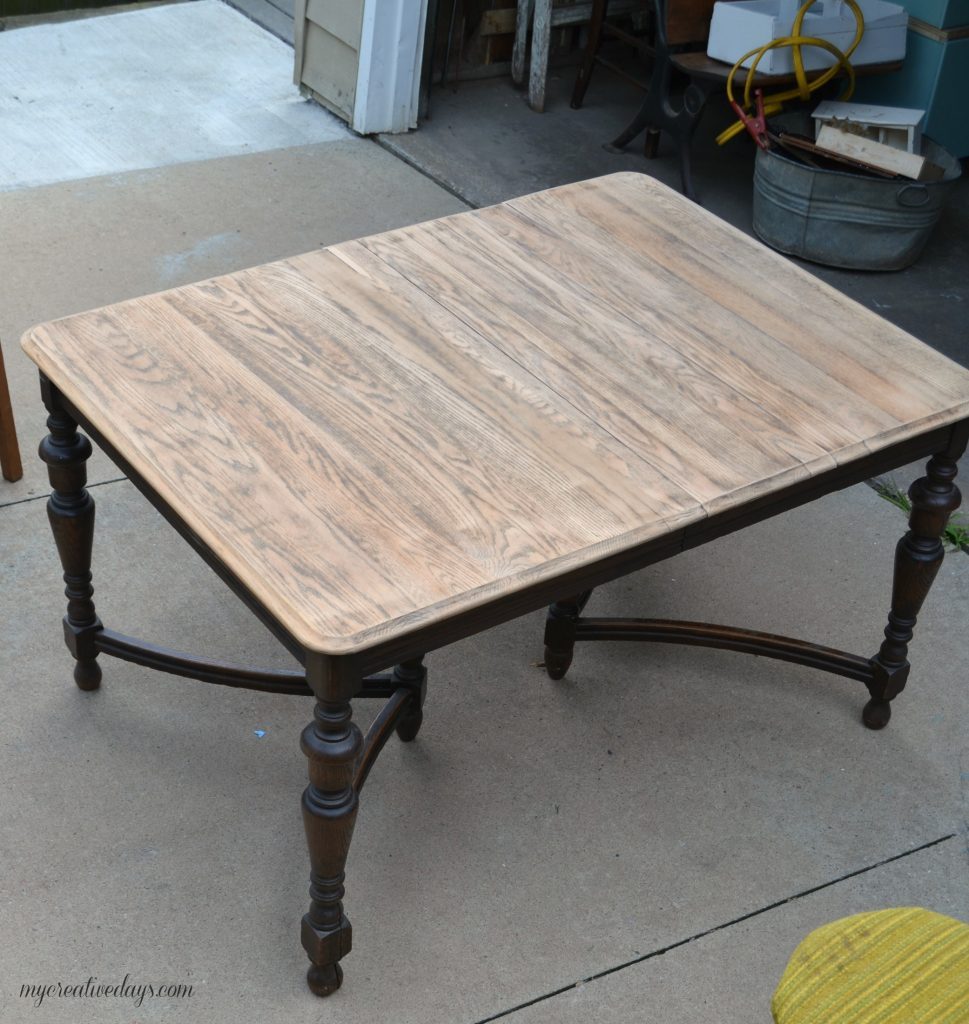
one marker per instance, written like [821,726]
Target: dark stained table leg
[917,559]
[332,743]
[340,760]
[10,464]
[560,633]
[71,514]
[411,674]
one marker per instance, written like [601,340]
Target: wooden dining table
[393,443]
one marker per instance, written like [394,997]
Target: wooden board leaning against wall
[482,36]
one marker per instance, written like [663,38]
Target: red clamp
[756,124]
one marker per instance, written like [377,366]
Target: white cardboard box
[742,25]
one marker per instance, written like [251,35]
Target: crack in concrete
[716,928]
[46,494]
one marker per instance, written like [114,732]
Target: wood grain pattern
[396,430]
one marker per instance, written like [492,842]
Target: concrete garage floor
[646,841]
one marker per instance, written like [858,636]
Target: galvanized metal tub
[847,220]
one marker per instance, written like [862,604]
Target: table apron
[951,438]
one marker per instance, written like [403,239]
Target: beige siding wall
[327,50]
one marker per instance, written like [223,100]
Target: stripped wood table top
[392,431]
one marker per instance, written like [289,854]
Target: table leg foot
[70,511]
[917,559]
[409,726]
[876,713]
[331,743]
[560,633]
[324,980]
[414,674]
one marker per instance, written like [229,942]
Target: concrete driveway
[647,840]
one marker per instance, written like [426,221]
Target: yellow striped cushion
[901,966]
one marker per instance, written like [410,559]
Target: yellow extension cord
[774,103]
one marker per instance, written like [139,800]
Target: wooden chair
[684,78]
[542,16]
[599,28]
[9,451]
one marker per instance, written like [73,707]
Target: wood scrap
[835,142]
[808,152]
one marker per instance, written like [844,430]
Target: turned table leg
[917,559]
[10,464]
[413,674]
[70,510]
[332,743]
[560,633]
